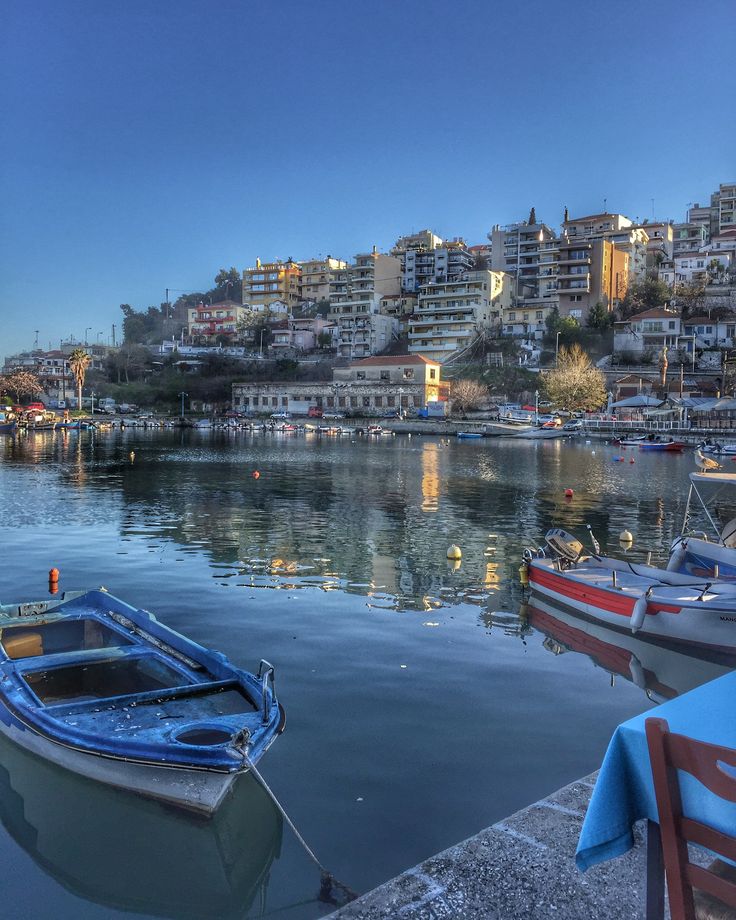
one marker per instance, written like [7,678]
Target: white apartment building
[452,314]
[426,258]
[647,331]
[356,293]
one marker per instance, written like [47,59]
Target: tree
[644,295]
[599,317]
[79,361]
[324,340]
[480,263]
[575,384]
[20,383]
[228,285]
[532,217]
[468,394]
[690,297]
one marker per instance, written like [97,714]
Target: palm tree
[79,361]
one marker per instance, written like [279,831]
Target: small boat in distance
[8,421]
[103,689]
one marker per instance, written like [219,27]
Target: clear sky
[147,144]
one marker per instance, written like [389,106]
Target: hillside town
[628,291]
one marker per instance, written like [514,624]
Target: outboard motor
[564,545]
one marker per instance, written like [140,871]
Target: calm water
[423,702]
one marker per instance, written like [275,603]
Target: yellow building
[269,283]
[316,277]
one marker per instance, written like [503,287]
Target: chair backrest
[668,753]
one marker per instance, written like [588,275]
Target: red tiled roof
[392,359]
[655,313]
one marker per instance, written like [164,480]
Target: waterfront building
[208,321]
[269,283]
[316,275]
[374,385]
[452,315]
[356,294]
[52,367]
[590,272]
[649,332]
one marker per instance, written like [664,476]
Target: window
[360,375]
[385,375]
[539,314]
[576,298]
[671,324]
[354,402]
[284,401]
[366,401]
[274,401]
[342,401]
[512,317]
[379,402]
[408,373]
[433,373]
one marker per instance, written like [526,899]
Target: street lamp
[182,394]
[536,407]
[557,346]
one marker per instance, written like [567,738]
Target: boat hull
[673,614]
[199,791]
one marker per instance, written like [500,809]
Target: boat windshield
[102,679]
[59,636]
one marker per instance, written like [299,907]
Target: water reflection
[121,851]
[662,672]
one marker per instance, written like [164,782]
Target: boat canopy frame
[725,483]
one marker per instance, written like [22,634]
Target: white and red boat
[650,602]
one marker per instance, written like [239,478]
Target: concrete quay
[522,868]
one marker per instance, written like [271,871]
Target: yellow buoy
[524,574]
[132,456]
[454,552]
[626,536]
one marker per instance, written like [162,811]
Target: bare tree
[575,384]
[20,383]
[468,394]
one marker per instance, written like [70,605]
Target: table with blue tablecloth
[624,791]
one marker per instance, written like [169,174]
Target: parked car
[332,415]
[280,415]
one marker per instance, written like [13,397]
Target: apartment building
[689,237]
[720,215]
[426,258]
[269,282]
[356,294]
[452,314]
[206,321]
[590,271]
[316,275]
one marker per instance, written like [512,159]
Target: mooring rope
[327,879]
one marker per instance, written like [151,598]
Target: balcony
[573,276]
[567,260]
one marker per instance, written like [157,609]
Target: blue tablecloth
[624,792]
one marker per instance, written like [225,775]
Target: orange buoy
[569,493]
[256,474]
[53,575]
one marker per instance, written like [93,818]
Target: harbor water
[425,699]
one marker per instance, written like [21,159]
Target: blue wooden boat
[469,435]
[8,422]
[75,426]
[105,690]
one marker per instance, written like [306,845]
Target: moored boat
[645,600]
[105,690]
[8,421]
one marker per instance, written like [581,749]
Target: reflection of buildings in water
[661,671]
[122,851]
[430,477]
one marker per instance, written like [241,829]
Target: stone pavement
[521,868]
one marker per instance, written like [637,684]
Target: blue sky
[147,145]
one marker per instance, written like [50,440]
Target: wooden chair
[668,753]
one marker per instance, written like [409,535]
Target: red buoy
[569,493]
[256,474]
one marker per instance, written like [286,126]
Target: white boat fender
[677,557]
[636,670]
[639,612]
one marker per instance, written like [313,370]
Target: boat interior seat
[23,645]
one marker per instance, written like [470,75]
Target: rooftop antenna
[35,344]
[605,205]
